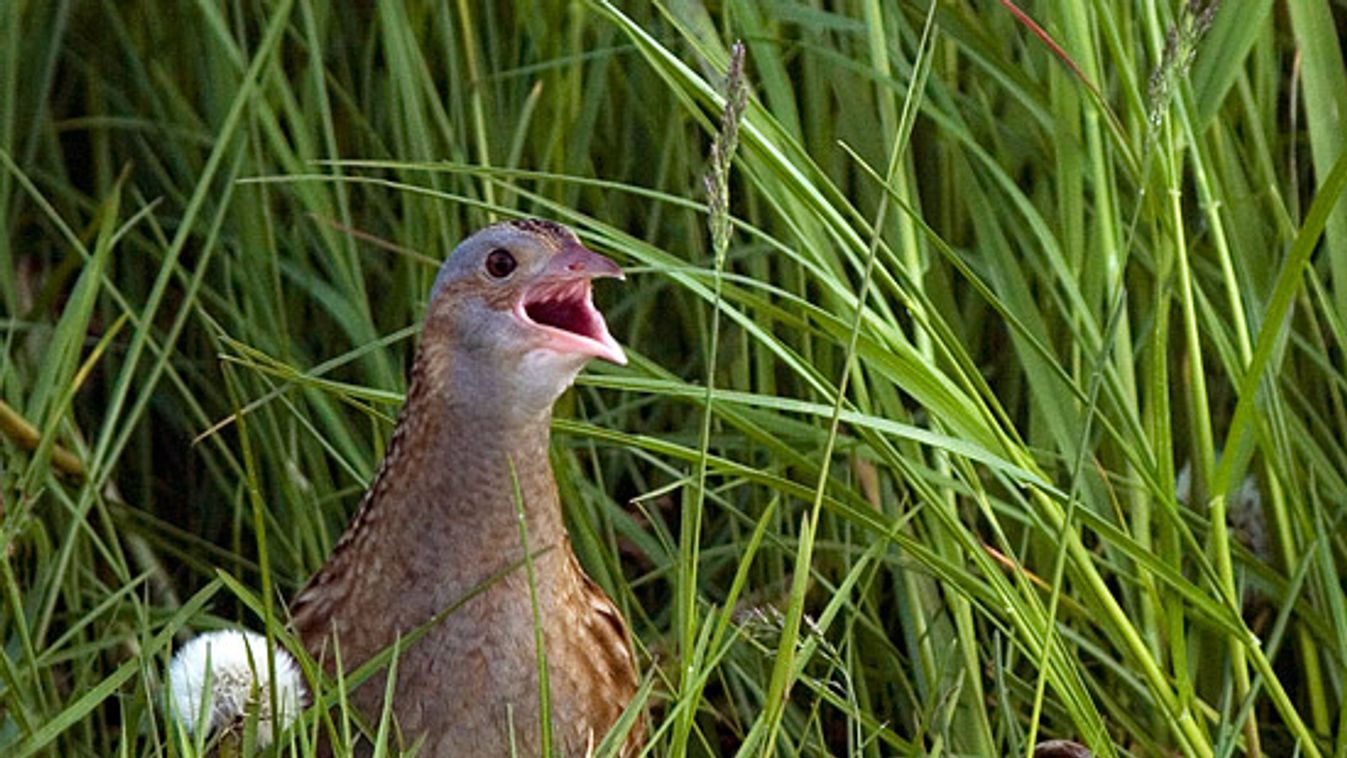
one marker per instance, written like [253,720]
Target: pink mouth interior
[566,307]
[565,310]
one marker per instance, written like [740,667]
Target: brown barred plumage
[439,525]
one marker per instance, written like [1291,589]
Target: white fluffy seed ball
[235,663]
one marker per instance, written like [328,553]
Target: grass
[893,467]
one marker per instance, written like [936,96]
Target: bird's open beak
[561,304]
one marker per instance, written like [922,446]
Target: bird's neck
[448,496]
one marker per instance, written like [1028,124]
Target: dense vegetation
[896,467]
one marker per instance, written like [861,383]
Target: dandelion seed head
[234,663]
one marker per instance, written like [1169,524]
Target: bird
[509,324]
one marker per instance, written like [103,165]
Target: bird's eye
[500,264]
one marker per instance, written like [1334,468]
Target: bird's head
[512,316]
